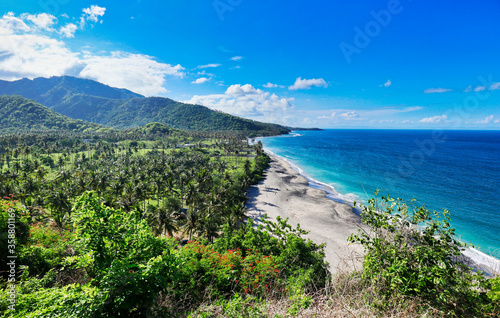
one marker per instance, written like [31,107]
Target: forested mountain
[54,90]
[21,114]
[94,102]
[137,112]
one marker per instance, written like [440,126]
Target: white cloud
[93,13]
[29,55]
[68,30]
[487,120]
[437,90]
[271,85]
[36,56]
[43,21]
[411,109]
[245,100]
[308,83]
[434,120]
[9,24]
[236,58]
[136,72]
[385,112]
[208,66]
[495,86]
[387,84]
[200,80]
[372,116]
[349,115]
[205,74]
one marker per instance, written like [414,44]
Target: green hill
[156,129]
[21,114]
[51,91]
[136,112]
[94,102]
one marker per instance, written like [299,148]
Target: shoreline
[329,190]
[475,258]
[285,192]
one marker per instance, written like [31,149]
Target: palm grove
[102,217]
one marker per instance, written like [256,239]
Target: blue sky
[331,64]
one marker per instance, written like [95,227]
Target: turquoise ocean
[454,170]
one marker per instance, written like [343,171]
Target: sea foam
[331,193]
[478,260]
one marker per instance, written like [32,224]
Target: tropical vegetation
[150,222]
[18,114]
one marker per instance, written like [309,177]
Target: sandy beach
[284,192]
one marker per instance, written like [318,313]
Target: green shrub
[410,251]
[299,302]
[236,307]
[229,271]
[46,248]
[14,231]
[113,235]
[239,307]
[132,290]
[129,264]
[294,256]
[69,301]
[494,295]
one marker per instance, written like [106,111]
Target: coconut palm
[60,206]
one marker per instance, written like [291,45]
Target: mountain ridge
[61,86]
[95,102]
[21,114]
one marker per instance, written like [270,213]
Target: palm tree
[60,206]
[167,221]
[192,223]
[236,216]
[40,173]
[30,187]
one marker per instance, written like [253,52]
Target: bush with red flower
[229,271]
